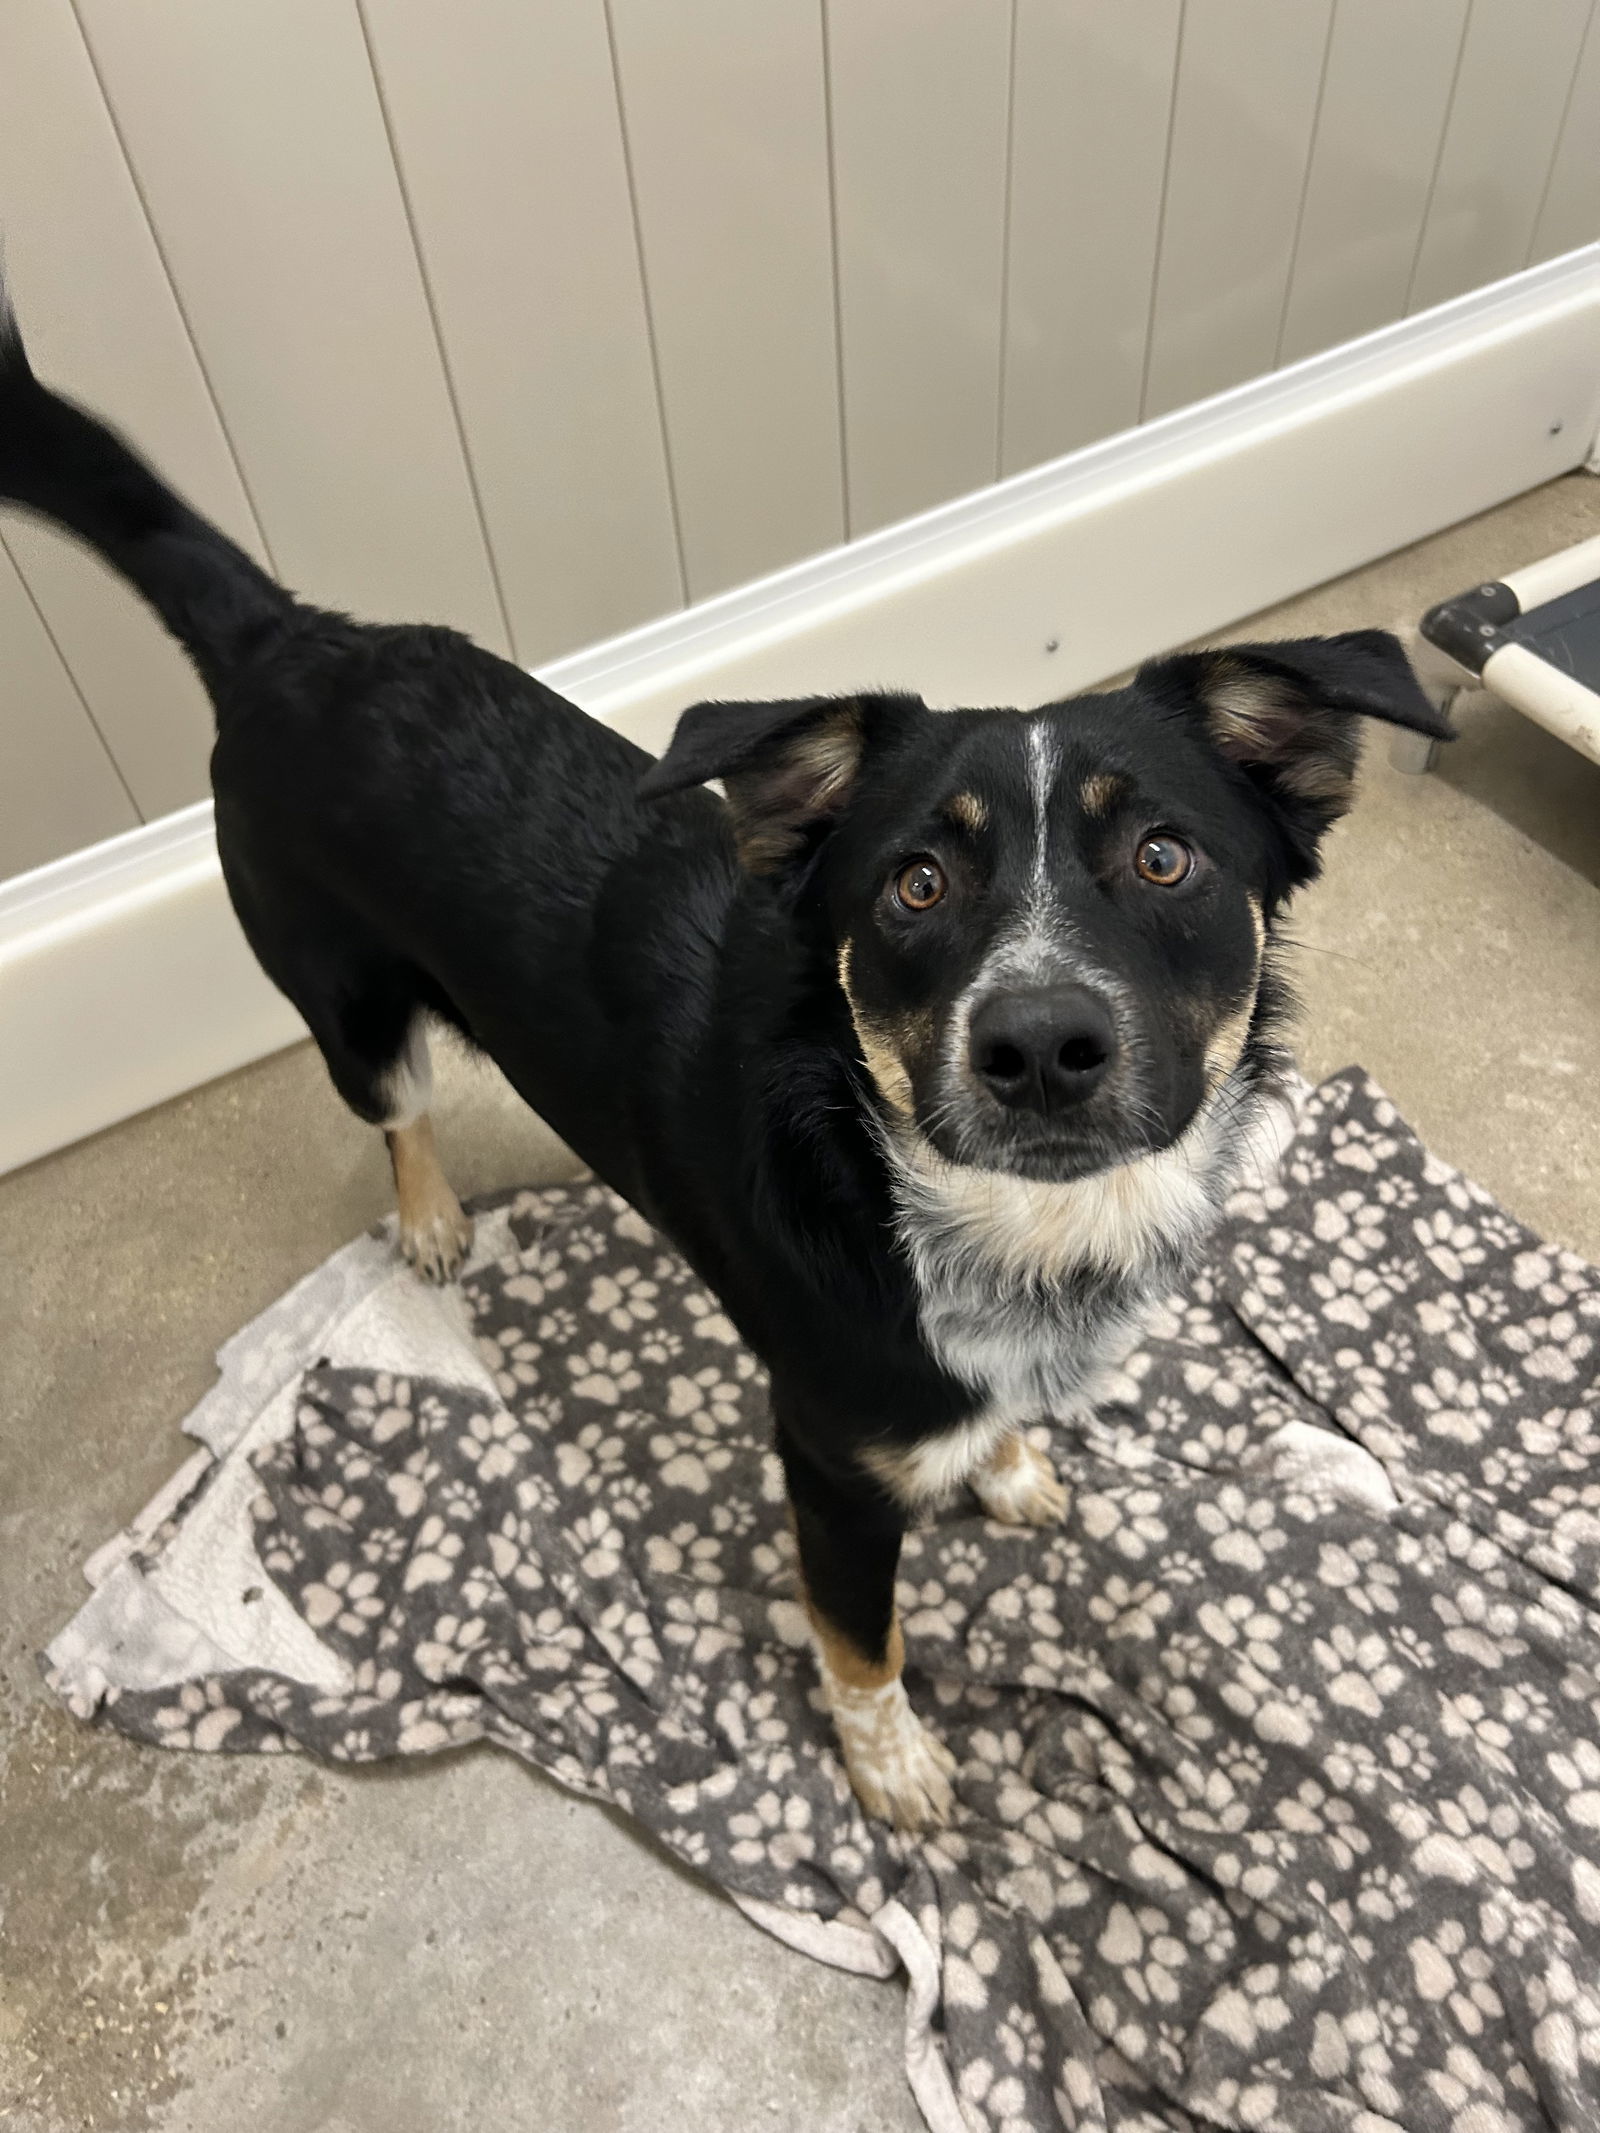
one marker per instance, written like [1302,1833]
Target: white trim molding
[124,979]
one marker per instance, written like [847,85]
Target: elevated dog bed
[1531,638]
[1279,1788]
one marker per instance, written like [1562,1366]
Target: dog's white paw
[900,1773]
[1020,1486]
[436,1243]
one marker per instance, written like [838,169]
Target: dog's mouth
[982,1136]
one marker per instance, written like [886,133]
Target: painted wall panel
[257,139]
[725,115]
[1385,101]
[1248,75]
[1570,215]
[509,139]
[58,788]
[1517,70]
[103,326]
[541,316]
[1092,102]
[919,174]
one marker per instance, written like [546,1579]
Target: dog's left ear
[1287,714]
[787,768]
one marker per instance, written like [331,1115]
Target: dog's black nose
[1042,1050]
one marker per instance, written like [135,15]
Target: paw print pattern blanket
[1279,1785]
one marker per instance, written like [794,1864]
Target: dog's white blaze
[1042,945]
[408,1087]
[1043,769]
[1035,941]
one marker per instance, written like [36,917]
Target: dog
[935,1045]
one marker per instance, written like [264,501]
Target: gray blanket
[1279,1787]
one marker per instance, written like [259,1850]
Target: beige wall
[543,316]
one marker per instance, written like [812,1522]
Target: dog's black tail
[64,463]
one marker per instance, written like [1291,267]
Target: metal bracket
[1413,753]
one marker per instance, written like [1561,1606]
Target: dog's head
[1050,925]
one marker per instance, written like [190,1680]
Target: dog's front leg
[849,1543]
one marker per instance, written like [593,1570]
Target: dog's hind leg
[374,1043]
[435,1229]
[375,1047]
[365,1007]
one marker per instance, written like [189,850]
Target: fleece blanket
[1279,1785]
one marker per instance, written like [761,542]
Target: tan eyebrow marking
[1100,793]
[967,809]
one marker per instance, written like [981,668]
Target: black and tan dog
[935,1047]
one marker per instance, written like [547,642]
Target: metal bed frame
[1531,638]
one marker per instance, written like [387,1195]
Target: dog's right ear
[787,768]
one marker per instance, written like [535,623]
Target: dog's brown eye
[920,886]
[1165,861]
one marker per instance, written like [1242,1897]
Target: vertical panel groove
[271,175]
[177,295]
[1438,161]
[1250,77]
[430,299]
[833,242]
[920,151]
[72,682]
[1516,75]
[1305,188]
[726,128]
[1005,252]
[955,156]
[649,309]
[1569,214]
[1381,115]
[1161,216]
[1560,133]
[1090,129]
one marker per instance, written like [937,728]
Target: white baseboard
[124,980]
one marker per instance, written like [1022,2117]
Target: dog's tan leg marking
[1017,1484]
[900,1773]
[434,1229]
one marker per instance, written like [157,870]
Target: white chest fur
[1026,1290]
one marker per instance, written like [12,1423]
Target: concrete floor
[187,1943]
